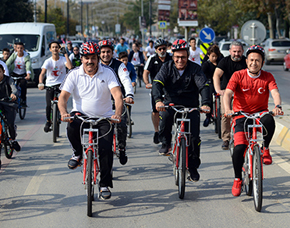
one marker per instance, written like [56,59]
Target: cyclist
[208,68]
[69,48]
[91,86]
[8,90]
[6,71]
[136,57]
[19,65]
[226,67]
[75,57]
[106,57]
[6,54]
[149,50]
[123,57]
[55,70]
[181,81]
[121,47]
[152,67]
[195,52]
[251,88]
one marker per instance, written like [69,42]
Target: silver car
[275,50]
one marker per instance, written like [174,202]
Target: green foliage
[16,11]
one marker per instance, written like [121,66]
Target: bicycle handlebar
[91,120]
[17,78]
[183,110]
[250,116]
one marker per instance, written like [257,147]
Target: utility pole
[142,29]
[67,19]
[150,17]
[82,17]
[34,15]
[87,20]
[45,11]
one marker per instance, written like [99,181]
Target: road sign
[253,32]
[207,35]
[162,24]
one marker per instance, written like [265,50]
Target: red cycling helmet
[106,43]
[257,49]
[89,48]
[179,45]
[68,42]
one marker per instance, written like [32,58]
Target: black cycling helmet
[179,45]
[159,43]
[257,49]
[89,48]
[106,43]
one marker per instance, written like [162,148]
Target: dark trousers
[104,148]
[239,150]
[22,84]
[49,98]
[10,114]
[122,130]
[165,124]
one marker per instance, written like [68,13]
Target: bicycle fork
[181,135]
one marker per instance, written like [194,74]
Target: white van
[35,36]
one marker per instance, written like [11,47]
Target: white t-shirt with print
[20,67]
[150,51]
[135,59]
[55,70]
[194,56]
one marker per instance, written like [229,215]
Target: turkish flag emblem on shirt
[18,66]
[125,69]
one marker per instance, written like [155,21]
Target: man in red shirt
[251,88]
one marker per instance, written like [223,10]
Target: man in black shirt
[181,81]
[225,69]
[152,67]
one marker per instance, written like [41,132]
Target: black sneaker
[74,162]
[122,156]
[164,150]
[225,145]
[16,146]
[47,127]
[156,138]
[105,193]
[206,122]
[23,104]
[193,175]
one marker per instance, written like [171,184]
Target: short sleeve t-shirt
[91,95]
[19,65]
[194,56]
[55,70]
[121,48]
[251,94]
[150,51]
[154,64]
[135,59]
[228,66]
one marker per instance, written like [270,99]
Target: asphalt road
[38,190]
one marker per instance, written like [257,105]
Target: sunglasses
[160,49]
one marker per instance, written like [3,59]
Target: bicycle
[5,141]
[179,155]
[55,115]
[253,166]
[91,167]
[216,112]
[139,77]
[21,110]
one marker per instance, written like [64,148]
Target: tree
[16,11]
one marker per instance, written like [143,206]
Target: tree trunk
[270,25]
[278,22]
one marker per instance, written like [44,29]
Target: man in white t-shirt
[91,86]
[55,70]
[195,52]
[149,50]
[6,71]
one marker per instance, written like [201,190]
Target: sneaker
[164,150]
[16,146]
[74,162]
[47,127]
[193,175]
[206,122]
[23,104]
[132,122]
[267,159]
[122,156]
[105,193]
[156,138]
[225,145]
[237,187]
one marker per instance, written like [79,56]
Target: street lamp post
[67,19]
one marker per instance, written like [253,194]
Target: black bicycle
[21,109]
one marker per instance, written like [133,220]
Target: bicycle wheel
[90,186]
[22,112]
[54,122]
[8,150]
[129,124]
[257,178]
[247,182]
[232,143]
[181,169]
[135,87]
[218,117]
[57,123]
[214,114]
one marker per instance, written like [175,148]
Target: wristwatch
[278,106]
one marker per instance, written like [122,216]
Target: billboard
[164,10]
[187,13]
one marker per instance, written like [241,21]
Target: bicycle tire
[22,112]
[8,150]
[218,119]
[214,114]
[57,122]
[90,191]
[135,90]
[129,124]
[247,182]
[175,171]
[54,122]
[181,169]
[257,178]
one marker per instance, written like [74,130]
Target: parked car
[275,50]
[286,62]
[225,47]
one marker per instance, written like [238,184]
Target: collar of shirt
[100,70]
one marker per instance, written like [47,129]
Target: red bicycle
[216,113]
[253,166]
[90,156]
